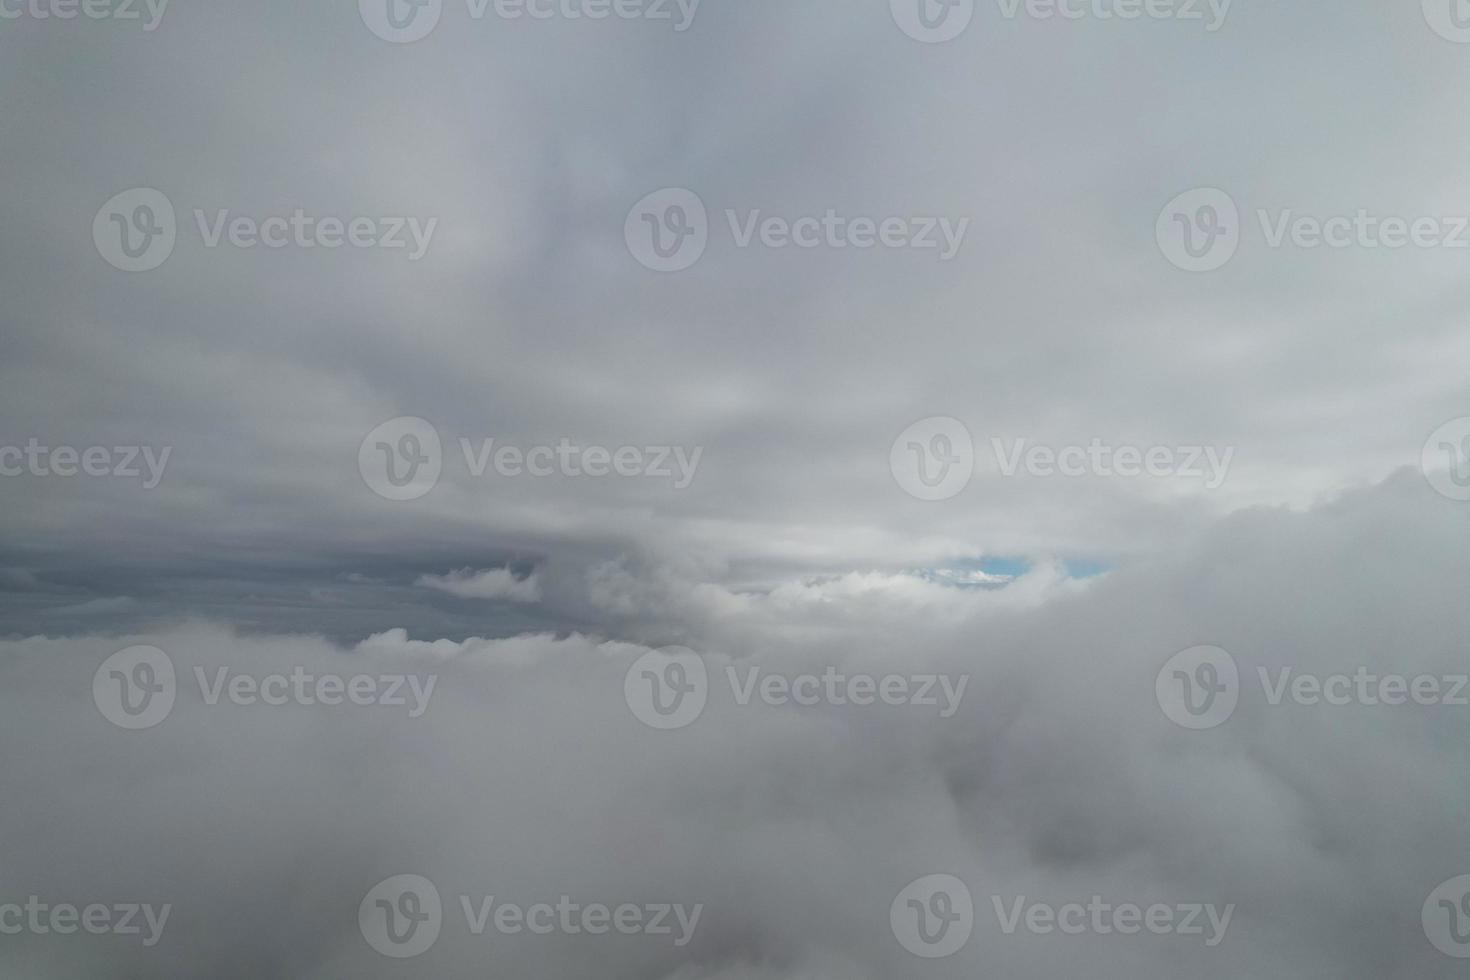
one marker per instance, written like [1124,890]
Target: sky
[517,344]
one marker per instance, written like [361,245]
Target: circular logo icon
[401,459]
[1446,917]
[1446,459]
[136,231]
[1198,688]
[933,916]
[668,230]
[135,688]
[1450,19]
[667,688]
[933,459]
[932,21]
[401,21]
[401,916]
[1199,230]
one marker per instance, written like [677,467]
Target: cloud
[492,583]
[529,778]
[96,607]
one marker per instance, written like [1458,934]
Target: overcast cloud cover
[362,461]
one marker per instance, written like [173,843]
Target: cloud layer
[529,777]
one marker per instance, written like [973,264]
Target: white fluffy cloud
[529,778]
[492,583]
